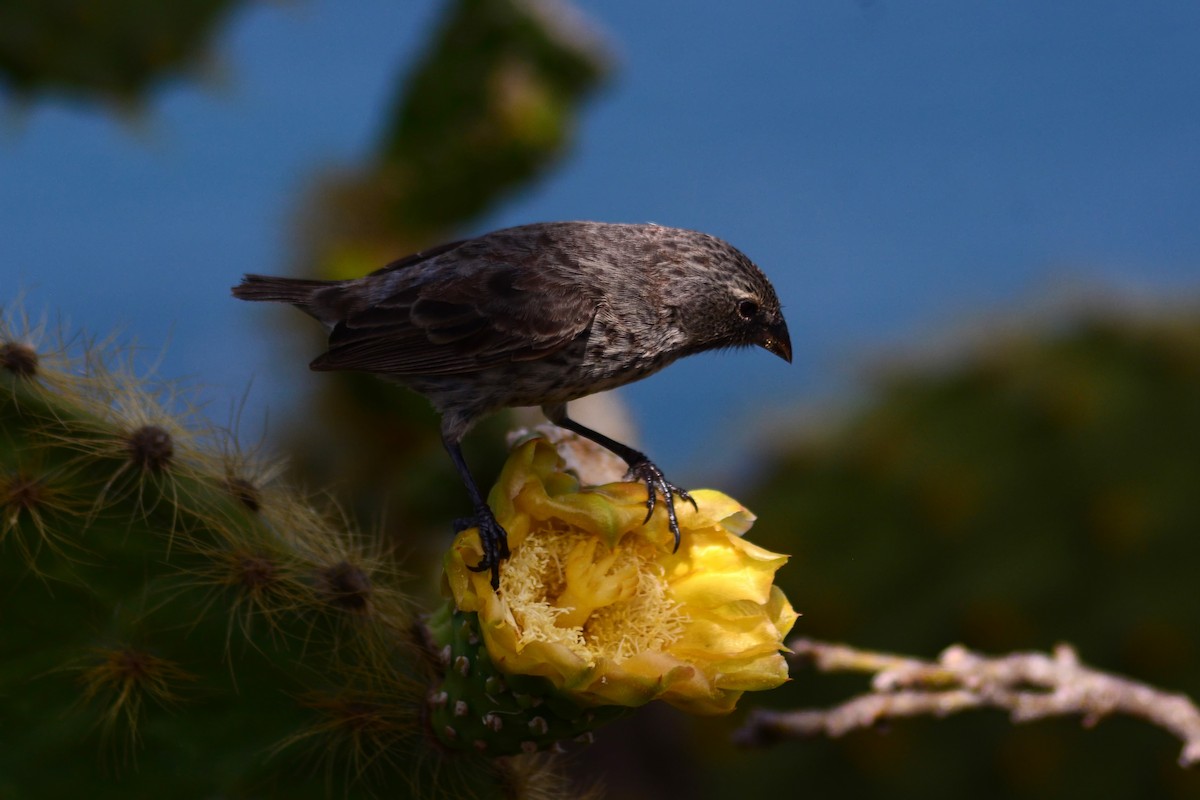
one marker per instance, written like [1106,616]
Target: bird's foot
[645,470]
[492,537]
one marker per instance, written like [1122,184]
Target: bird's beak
[774,338]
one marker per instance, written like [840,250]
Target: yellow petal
[597,603]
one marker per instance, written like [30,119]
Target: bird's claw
[648,472]
[492,538]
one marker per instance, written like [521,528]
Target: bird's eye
[747,309]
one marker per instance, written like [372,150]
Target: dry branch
[1029,686]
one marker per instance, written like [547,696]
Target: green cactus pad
[478,707]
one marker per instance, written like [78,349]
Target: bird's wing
[417,258]
[464,321]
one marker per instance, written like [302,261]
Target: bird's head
[728,302]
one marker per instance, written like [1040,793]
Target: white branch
[1029,686]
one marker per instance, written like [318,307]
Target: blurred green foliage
[490,107]
[112,51]
[487,109]
[1037,490]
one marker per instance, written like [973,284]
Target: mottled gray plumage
[541,315]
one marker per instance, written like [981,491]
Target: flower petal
[594,600]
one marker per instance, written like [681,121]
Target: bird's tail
[297,291]
[304,293]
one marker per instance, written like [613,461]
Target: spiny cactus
[477,705]
[174,621]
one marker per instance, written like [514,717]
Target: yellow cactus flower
[596,602]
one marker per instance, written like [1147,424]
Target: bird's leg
[640,467]
[492,535]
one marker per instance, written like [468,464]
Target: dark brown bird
[540,315]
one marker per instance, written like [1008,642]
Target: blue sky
[898,169]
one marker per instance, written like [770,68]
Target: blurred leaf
[489,108]
[112,51]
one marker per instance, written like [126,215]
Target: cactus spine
[174,620]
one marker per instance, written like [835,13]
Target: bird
[539,315]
